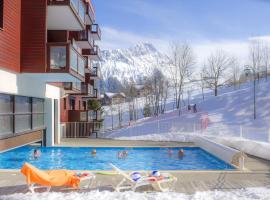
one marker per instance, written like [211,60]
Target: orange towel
[50,178]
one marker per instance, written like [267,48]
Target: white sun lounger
[163,185]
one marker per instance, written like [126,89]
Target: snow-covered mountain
[133,63]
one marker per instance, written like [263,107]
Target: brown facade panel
[33,36]
[10,36]
[20,140]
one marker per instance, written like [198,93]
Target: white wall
[20,84]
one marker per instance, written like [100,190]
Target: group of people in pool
[121,154]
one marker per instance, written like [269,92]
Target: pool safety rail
[176,126]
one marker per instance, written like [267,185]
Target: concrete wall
[19,84]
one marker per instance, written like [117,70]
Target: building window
[37,113]
[1,14]
[20,114]
[6,114]
[58,57]
[72,104]
[65,103]
[84,105]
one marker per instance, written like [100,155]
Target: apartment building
[48,68]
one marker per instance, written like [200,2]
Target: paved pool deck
[256,175]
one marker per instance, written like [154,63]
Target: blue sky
[126,22]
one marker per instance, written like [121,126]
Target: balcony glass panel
[22,104]
[81,65]
[75,4]
[82,11]
[22,123]
[77,85]
[6,124]
[73,60]
[38,105]
[6,105]
[38,120]
[58,57]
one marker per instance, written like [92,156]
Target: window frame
[13,114]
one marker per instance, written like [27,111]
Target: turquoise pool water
[138,159]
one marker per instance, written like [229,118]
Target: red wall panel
[10,36]
[33,35]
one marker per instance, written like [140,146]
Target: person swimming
[94,152]
[181,153]
[36,154]
[122,154]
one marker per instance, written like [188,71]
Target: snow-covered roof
[111,94]
[139,87]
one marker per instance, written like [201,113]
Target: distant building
[113,98]
[141,90]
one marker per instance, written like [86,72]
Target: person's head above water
[94,151]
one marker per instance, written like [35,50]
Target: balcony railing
[95,51]
[95,72]
[94,115]
[72,86]
[62,57]
[79,8]
[95,31]
[78,116]
[84,36]
[90,13]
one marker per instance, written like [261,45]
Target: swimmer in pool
[181,153]
[36,154]
[170,152]
[94,152]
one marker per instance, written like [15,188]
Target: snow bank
[240,194]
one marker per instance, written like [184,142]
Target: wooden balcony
[64,58]
[66,14]
[96,32]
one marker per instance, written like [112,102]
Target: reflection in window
[6,124]
[22,104]
[81,66]
[6,104]
[73,60]
[58,57]
[38,120]
[22,123]
[38,105]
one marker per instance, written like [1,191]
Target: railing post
[75,135]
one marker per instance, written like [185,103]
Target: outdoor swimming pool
[80,158]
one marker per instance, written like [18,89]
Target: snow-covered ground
[241,194]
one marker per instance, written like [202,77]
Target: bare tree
[266,57]
[235,70]
[256,56]
[182,61]
[213,71]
